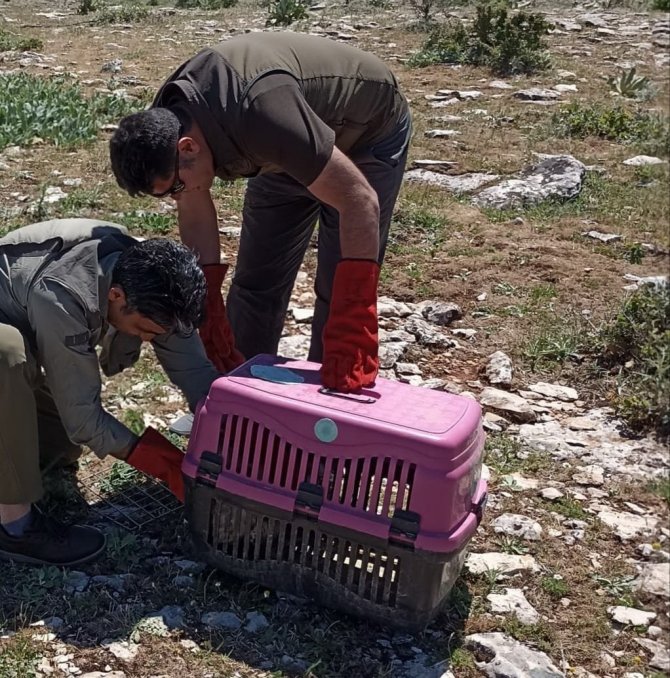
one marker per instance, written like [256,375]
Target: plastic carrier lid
[390,402]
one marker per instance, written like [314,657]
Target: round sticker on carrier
[325,430]
[277,375]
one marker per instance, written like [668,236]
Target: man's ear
[188,146]
[116,295]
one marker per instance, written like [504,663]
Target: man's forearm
[198,225]
[359,231]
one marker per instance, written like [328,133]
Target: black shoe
[48,542]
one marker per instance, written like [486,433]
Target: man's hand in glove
[216,333]
[350,337]
[158,457]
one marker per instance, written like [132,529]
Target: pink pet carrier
[363,502]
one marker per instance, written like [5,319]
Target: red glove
[350,337]
[158,457]
[215,332]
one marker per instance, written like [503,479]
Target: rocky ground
[508,241]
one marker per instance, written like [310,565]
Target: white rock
[590,475]
[555,177]
[295,346]
[505,563]
[517,482]
[499,369]
[660,654]
[426,334]
[654,631]
[500,84]
[641,160]
[103,674]
[551,493]
[536,94]
[461,183]
[603,237]
[466,333]
[628,525]
[441,133]
[500,656]
[390,353]
[464,95]
[53,194]
[555,391]
[390,308]
[221,620]
[440,312]
[302,315]
[654,579]
[629,616]
[124,651]
[509,403]
[514,601]
[563,88]
[516,525]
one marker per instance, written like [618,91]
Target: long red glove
[216,333]
[158,457]
[351,335]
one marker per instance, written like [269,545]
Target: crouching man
[66,286]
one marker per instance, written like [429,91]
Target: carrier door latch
[405,526]
[209,468]
[309,499]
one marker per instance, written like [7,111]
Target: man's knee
[12,347]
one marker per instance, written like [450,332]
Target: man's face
[193,171]
[129,322]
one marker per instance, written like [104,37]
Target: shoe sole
[28,560]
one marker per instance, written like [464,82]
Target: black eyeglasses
[177,185]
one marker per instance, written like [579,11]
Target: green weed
[619,587]
[554,344]
[630,85]
[10,42]
[462,659]
[661,487]
[286,12]
[512,545]
[556,588]
[663,5]
[130,12]
[120,477]
[79,200]
[87,6]
[209,5]
[623,124]
[149,222]
[18,659]
[506,43]
[36,107]
[570,508]
[540,635]
[637,343]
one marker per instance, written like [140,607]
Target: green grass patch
[661,487]
[555,588]
[53,110]
[570,508]
[11,42]
[505,454]
[149,222]
[624,124]
[18,659]
[120,477]
[505,42]
[129,12]
[637,343]
[553,345]
[209,5]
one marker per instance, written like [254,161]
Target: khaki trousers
[31,433]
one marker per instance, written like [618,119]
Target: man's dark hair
[143,149]
[162,281]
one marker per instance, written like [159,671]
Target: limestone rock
[499,369]
[514,601]
[516,481]
[590,475]
[641,160]
[660,654]
[516,525]
[654,579]
[551,493]
[628,525]
[390,353]
[629,616]
[458,184]
[124,651]
[505,563]
[602,237]
[500,656]
[557,177]
[221,620]
[440,312]
[536,94]
[555,391]
[509,403]
[390,308]
[295,346]
[426,334]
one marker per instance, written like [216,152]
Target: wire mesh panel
[118,493]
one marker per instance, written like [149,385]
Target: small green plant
[570,508]
[630,85]
[462,659]
[506,43]
[18,659]
[512,545]
[79,200]
[286,12]
[18,43]
[209,5]
[36,107]
[552,345]
[637,342]
[124,549]
[661,487]
[663,5]
[649,131]
[619,587]
[424,9]
[120,477]
[149,222]
[556,588]
[121,14]
[87,6]
[634,253]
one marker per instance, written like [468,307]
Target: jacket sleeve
[186,365]
[66,350]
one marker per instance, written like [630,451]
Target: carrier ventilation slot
[379,485]
[245,535]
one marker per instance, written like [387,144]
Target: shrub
[86,6]
[53,110]
[630,85]
[123,14]
[17,43]
[617,123]
[205,4]
[285,12]
[506,43]
[636,343]
[663,5]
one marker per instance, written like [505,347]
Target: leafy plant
[570,508]
[205,4]
[18,659]
[512,545]
[552,345]
[619,587]
[663,5]
[506,43]
[17,43]
[636,342]
[556,588]
[120,477]
[152,222]
[87,6]
[36,107]
[634,253]
[424,9]
[630,85]
[121,14]
[286,12]
[617,123]
[661,487]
